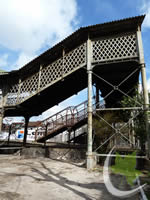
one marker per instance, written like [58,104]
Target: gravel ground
[44,179]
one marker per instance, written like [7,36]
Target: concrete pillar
[25,130]
[144,84]
[90,156]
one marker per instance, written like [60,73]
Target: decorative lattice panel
[51,73]
[63,66]
[75,58]
[11,99]
[14,88]
[114,48]
[12,95]
[28,87]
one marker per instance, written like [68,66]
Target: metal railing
[66,118]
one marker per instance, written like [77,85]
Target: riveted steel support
[90,156]
[144,84]
[25,130]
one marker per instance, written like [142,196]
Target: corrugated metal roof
[140,19]
[104,29]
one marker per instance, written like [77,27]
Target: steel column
[144,83]
[90,161]
[25,130]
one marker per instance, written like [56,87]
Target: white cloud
[23,59]
[145,9]
[3,60]
[148,84]
[29,25]
[50,112]
[72,101]
[10,120]
[54,110]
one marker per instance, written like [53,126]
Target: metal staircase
[71,117]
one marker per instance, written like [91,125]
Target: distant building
[17,131]
[35,132]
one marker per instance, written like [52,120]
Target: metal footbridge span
[61,71]
[109,55]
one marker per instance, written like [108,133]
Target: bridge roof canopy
[94,31]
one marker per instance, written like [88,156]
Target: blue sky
[29,27]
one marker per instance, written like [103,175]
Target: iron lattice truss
[121,132]
[110,49]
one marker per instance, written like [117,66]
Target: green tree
[139,121]
[102,128]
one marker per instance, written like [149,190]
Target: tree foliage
[139,122]
[103,128]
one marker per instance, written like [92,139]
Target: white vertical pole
[144,83]
[89,108]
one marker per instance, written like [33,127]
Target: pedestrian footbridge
[61,71]
[109,55]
